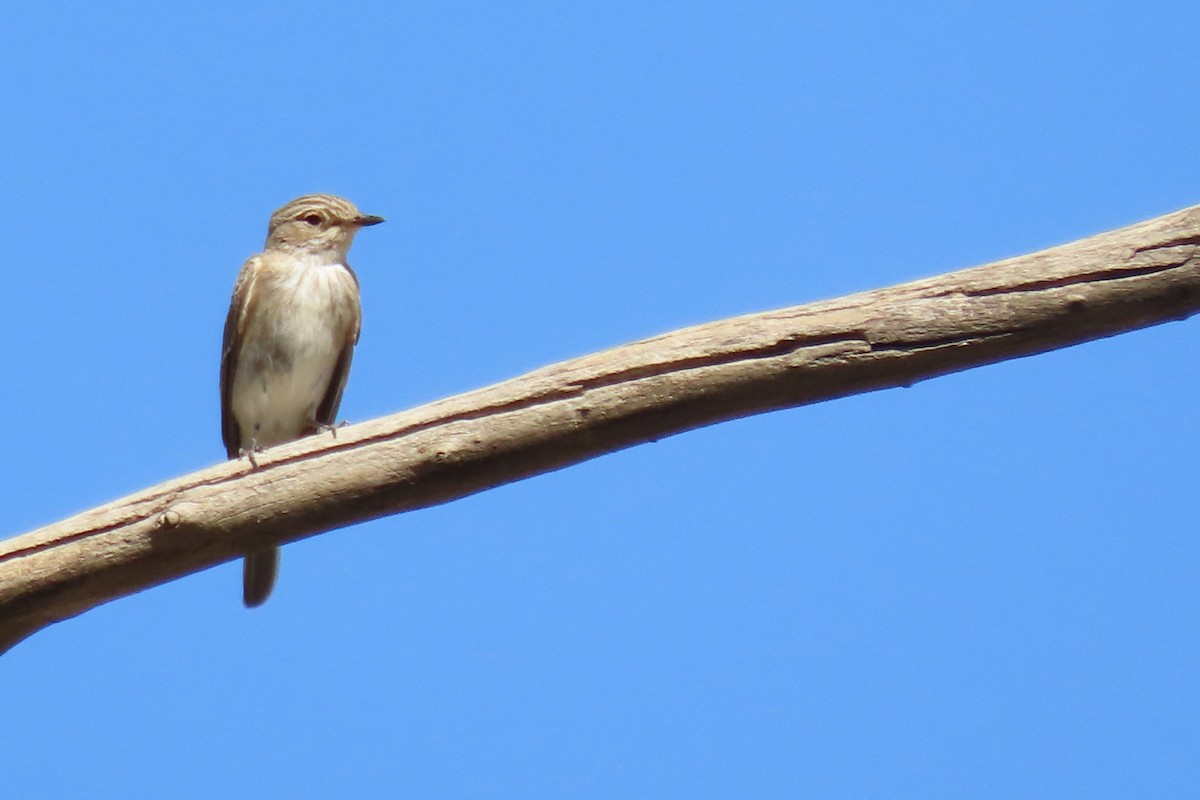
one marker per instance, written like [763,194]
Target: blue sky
[982,586]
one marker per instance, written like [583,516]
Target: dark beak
[368,219]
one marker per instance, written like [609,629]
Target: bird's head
[317,224]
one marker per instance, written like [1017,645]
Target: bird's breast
[301,319]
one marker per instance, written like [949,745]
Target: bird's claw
[249,452]
[331,429]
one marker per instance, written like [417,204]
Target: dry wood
[1137,276]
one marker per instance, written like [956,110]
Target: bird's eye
[312,219]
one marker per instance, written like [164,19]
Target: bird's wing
[327,410]
[235,320]
[357,317]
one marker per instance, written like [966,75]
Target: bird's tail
[259,571]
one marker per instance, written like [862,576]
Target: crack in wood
[1182,241]
[1077,279]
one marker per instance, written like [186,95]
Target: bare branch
[1141,275]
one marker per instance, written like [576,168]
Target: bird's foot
[249,452]
[331,429]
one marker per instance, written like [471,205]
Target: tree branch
[1137,276]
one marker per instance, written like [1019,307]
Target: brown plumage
[289,338]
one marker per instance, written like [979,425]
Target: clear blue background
[983,586]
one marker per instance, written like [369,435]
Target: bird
[290,333]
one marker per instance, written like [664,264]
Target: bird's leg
[249,452]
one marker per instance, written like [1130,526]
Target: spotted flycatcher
[291,330]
